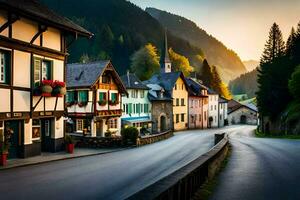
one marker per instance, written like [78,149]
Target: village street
[110,176]
[260,169]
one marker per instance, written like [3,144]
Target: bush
[108,134]
[129,135]
[69,139]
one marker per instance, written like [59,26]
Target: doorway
[99,128]
[243,119]
[15,141]
[163,124]
[46,126]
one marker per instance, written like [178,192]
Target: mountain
[251,64]
[120,29]
[228,62]
[245,84]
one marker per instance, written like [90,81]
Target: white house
[223,110]
[213,109]
[33,53]
[136,106]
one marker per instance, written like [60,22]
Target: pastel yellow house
[33,50]
[175,86]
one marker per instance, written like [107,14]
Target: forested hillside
[245,84]
[120,29]
[227,61]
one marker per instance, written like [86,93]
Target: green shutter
[113,97]
[83,96]
[130,108]
[138,110]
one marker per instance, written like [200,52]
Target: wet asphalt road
[260,169]
[111,176]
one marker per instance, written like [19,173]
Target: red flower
[59,84]
[47,82]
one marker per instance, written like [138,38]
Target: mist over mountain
[228,62]
[251,64]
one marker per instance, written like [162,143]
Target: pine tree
[291,43]
[274,47]
[206,74]
[218,85]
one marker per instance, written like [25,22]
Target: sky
[242,25]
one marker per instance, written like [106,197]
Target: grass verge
[207,189]
[262,135]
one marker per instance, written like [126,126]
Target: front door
[46,135]
[15,141]
[99,128]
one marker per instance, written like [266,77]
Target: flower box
[82,104]
[102,103]
[50,88]
[113,103]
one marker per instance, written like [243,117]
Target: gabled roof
[85,75]
[157,93]
[195,87]
[131,81]
[222,100]
[167,80]
[36,11]
[234,105]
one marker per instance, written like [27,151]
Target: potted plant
[37,91]
[102,102]
[3,150]
[4,145]
[59,89]
[46,88]
[69,144]
[82,104]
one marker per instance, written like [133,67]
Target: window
[205,115]
[182,102]
[36,129]
[138,107]
[130,108]
[124,108]
[70,96]
[215,107]
[5,59]
[105,79]
[79,125]
[134,94]
[221,106]
[112,123]
[114,97]
[220,117]
[200,118]
[83,96]
[175,86]
[47,128]
[192,103]
[182,117]
[42,70]
[142,94]
[177,102]
[102,96]
[177,118]
[146,108]
[211,107]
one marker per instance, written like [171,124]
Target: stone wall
[153,138]
[250,115]
[161,109]
[183,183]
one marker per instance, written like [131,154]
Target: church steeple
[165,62]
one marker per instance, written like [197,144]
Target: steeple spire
[165,62]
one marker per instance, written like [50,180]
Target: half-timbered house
[94,99]
[32,72]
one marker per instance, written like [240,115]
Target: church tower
[165,62]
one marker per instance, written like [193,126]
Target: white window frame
[78,126]
[37,126]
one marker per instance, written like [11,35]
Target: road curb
[60,159]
